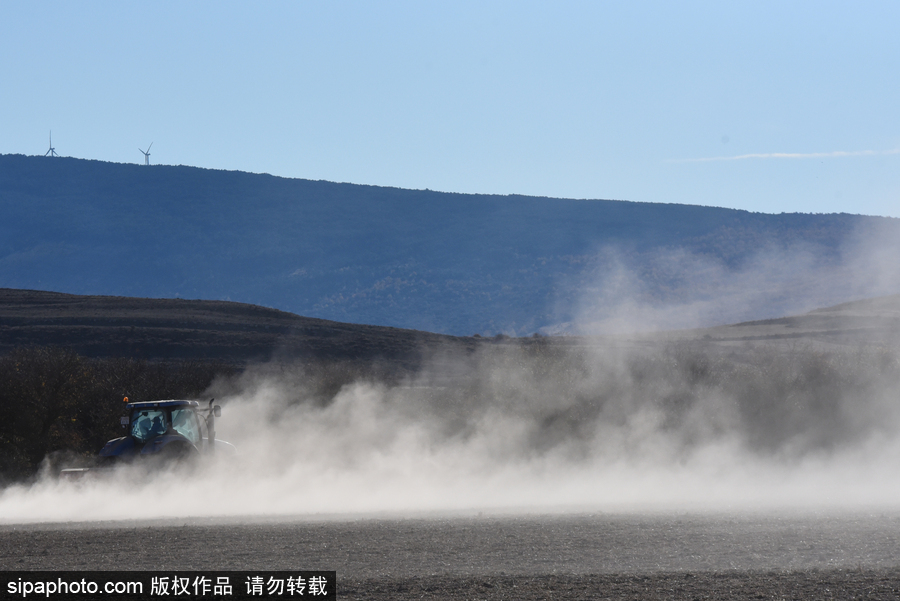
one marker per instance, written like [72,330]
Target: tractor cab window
[148,424]
[184,421]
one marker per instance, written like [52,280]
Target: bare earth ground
[814,556]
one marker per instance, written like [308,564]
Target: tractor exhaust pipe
[211,424]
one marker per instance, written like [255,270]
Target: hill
[238,333]
[867,322]
[418,259]
[177,329]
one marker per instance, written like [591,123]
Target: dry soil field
[598,556]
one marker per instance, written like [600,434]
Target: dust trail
[667,289]
[532,427]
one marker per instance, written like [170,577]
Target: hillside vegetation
[450,263]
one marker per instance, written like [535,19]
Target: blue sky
[765,106]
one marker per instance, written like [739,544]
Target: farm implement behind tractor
[160,433]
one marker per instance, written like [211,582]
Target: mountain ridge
[444,262]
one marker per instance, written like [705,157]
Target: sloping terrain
[873,321]
[238,333]
[164,329]
[450,263]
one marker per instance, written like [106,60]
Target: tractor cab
[164,432]
[168,429]
[148,422]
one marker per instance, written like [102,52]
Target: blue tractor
[161,432]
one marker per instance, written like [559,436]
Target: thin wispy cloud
[792,155]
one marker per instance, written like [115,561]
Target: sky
[765,106]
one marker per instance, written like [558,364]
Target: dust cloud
[530,428]
[667,289]
[553,425]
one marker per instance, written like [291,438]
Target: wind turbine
[52,151]
[147,154]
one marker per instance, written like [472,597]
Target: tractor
[160,433]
